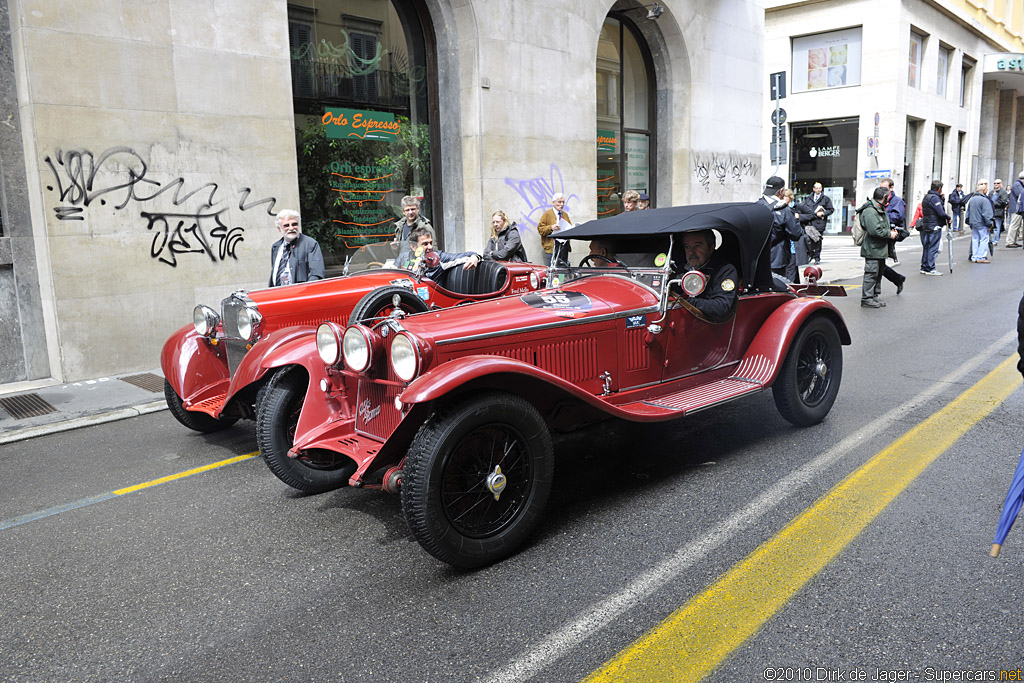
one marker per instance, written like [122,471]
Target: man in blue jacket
[933,217]
[956,203]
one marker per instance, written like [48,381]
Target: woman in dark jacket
[505,243]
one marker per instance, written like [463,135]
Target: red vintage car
[453,409]
[216,368]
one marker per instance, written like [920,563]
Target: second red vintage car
[216,368]
[454,408]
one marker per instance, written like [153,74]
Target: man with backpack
[877,245]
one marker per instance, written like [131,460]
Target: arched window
[361,95]
[625,125]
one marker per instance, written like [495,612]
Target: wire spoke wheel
[808,382]
[477,477]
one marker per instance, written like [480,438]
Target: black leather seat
[486,278]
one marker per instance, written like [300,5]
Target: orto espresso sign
[348,124]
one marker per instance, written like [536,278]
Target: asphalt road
[228,574]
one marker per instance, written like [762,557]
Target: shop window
[826,152]
[624,125]
[361,92]
[945,54]
[916,54]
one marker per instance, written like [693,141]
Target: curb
[87,421]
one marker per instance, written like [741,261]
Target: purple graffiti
[537,192]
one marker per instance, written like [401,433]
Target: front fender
[776,335]
[195,368]
[288,346]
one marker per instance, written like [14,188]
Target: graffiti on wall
[536,194]
[716,169]
[119,177]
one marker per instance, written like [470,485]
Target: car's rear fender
[195,368]
[769,348]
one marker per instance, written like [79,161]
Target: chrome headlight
[358,348]
[248,323]
[205,320]
[405,357]
[328,343]
[533,280]
[694,282]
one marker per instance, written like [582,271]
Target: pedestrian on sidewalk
[956,204]
[1000,199]
[1015,236]
[877,246]
[933,217]
[295,257]
[814,211]
[979,218]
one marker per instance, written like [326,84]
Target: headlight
[205,320]
[694,282]
[248,323]
[328,343]
[405,357]
[533,280]
[358,348]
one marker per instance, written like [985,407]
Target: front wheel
[200,422]
[277,414]
[476,479]
[808,382]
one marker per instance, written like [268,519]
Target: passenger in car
[717,303]
[421,241]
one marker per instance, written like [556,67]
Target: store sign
[365,125]
[824,151]
[607,141]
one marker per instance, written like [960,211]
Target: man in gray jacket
[295,257]
[979,218]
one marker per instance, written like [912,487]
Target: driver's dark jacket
[717,302]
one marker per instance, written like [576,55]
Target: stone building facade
[910,89]
[146,146]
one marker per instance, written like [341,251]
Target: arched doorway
[625,114]
[363,78]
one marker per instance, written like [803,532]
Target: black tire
[277,413]
[445,496]
[379,304]
[808,382]
[200,422]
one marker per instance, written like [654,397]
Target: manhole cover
[26,405]
[147,381]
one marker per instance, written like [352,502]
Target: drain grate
[147,381]
[26,405]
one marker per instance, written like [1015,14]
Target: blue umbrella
[1011,507]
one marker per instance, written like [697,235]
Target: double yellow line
[695,639]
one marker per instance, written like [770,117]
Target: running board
[749,378]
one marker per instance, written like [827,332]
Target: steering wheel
[585,261]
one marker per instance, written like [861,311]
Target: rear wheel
[808,382]
[381,302]
[477,478]
[277,414]
[200,422]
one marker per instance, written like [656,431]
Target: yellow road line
[187,473]
[697,637]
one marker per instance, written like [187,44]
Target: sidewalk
[30,409]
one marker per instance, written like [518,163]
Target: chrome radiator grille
[233,343]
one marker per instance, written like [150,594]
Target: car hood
[312,302]
[592,298]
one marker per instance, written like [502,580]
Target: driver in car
[421,241]
[605,253]
[717,303]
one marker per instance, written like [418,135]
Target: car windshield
[369,256]
[645,261]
